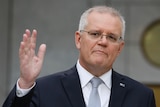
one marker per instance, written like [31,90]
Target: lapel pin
[122,84]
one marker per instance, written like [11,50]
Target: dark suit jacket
[64,90]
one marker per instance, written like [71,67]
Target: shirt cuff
[22,92]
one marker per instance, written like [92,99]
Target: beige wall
[156,89]
[56,22]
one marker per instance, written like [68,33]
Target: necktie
[94,99]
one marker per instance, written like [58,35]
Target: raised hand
[30,63]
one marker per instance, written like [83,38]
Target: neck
[96,70]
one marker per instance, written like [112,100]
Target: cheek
[86,48]
[113,52]
[86,44]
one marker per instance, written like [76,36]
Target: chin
[99,62]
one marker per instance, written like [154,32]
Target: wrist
[25,85]
[20,92]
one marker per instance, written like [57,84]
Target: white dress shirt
[22,92]
[104,89]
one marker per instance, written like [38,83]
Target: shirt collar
[85,76]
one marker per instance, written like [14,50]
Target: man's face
[99,54]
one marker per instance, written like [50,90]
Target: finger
[42,51]
[28,38]
[34,38]
[28,32]
[21,50]
[25,44]
[25,38]
[33,43]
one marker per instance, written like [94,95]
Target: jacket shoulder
[132,83]
[55,77]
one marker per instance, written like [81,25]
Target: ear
[121,46]
[77,39]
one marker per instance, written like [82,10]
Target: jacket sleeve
[151,101]
[14,101]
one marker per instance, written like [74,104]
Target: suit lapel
[71,83]
[118,90]
[73,89]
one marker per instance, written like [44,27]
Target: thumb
[42,51]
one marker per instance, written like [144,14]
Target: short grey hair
[101,9]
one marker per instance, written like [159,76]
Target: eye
[95,34]
[112,37]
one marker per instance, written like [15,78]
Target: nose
[103,36]
[103,41]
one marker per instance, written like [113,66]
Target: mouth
[99,52]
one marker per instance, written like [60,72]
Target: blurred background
[56,22]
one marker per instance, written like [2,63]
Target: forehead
[104,21]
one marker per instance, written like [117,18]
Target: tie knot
[95,81]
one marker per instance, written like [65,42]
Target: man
[100,40]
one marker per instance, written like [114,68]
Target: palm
[30,63]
